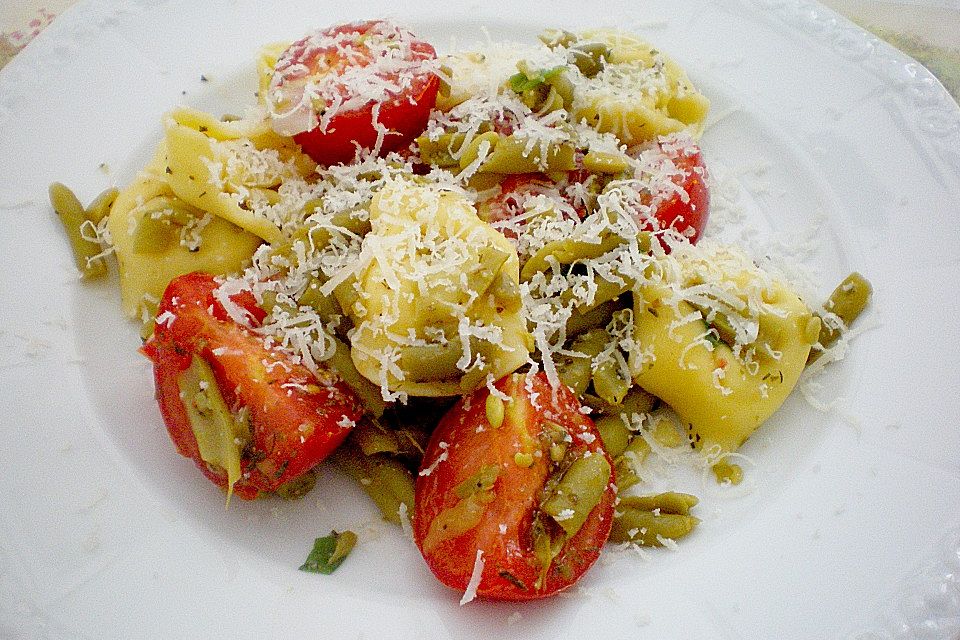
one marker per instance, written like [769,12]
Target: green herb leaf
[329,552]
[521,82]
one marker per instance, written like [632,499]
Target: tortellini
[436,306]
[222,167]
[723,381]
[639,94]
[153,245]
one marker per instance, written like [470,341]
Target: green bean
[431,362]
[567,251]
[645,528]
[368,392]
[155,229]
[219,434]
[578,492]
[577,371]
[606,290]
[326,307]
[71,213]
[628,462]
[589,57]
[636,401]
[482,480]
[599,316]
[601,162]
[388,483]
[373,438]
[727,472]
[614,434]
[507,155]
[100,207]
[298,487]
[471,152]
[609,381]
[495,411]
[847,302]
[668,502]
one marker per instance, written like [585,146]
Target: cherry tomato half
[367,85]
[296,418]
[682,200]
[491,479]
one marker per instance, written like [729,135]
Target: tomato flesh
[464,444]
[339,67]
[685,211]
[296,418]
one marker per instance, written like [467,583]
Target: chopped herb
[169,171]
[203,78]
[202,129]
[203,193]
[521,82]
[329,552]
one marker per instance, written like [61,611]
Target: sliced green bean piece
[100,207]
[388,483]
[298,487]
[374,438]
[219,434]
[602,162]
[589,57]
[609,382]
[645,528]
[727,472]
[73,217]
[578,492]
[482,480]
[614,433]
[627,464]
[367,391]
[508,156]
[599,316]
[488,140]
[567,251]
[329,552]
[431,362]
[668,502]
[847,301]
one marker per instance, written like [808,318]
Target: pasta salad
[480,283]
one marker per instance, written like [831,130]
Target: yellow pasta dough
[221,247]
[438,308]
[640,93]
[722,395]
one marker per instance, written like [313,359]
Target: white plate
[850,528]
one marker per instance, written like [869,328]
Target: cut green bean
[647,529]
[86,253]
[847,302]
[614,434]
[578,492]
[101,205]
[368,392]
[388,483]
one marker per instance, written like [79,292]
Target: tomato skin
[404,114]
[504,533]
[296,418]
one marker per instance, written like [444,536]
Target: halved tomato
[291,418]
[365,85]
[514,498]
[677,197]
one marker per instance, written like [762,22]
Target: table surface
[927,30]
